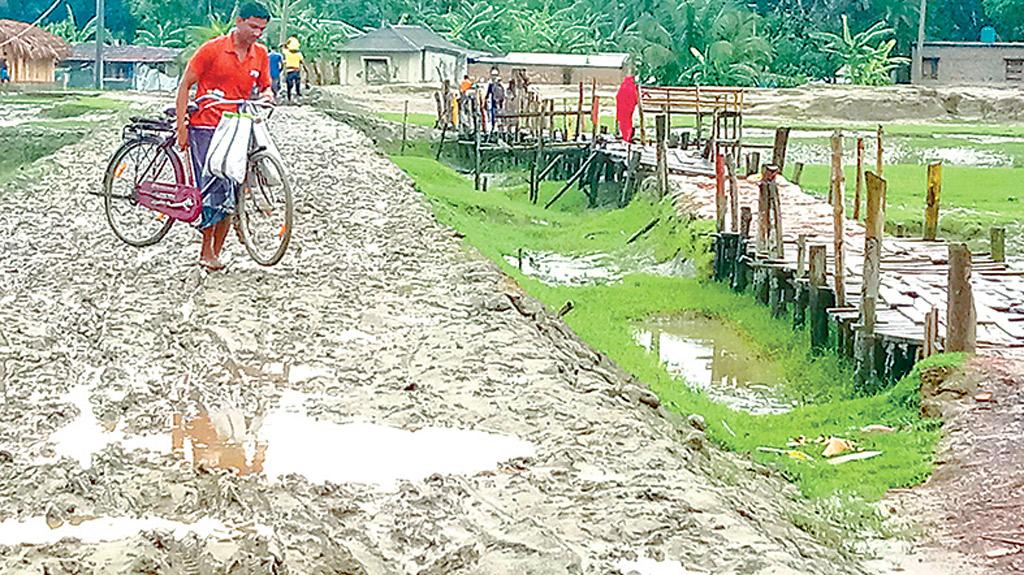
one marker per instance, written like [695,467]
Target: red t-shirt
[219,68]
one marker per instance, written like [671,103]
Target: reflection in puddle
[35,531]
[557,269]
[86,435]
[375,454]
[712,357]
[287,440]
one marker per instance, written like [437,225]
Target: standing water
[712,357]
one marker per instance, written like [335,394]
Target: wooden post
[763,217]
[837,216]
[661,132]
[476,160]
[997,236]
[595,110]
[579,115]
[874,229]
[631,176]
[931,210]
[860,179]
[961,316]
[734,192]
[819,299]
[720,205]
[798,171]
[801,255]
[779,149]
[745,217]
[931,333]
[775,211]
[535,172]
[879,166]
[640,106]
[405,125]
[753,163]
[440,145]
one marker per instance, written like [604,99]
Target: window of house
[930,68]
[1014,69]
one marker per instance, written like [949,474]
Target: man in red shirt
[237,67]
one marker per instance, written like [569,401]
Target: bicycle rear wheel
[137,161]
[265,210]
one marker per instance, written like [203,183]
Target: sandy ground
[818,102]
[384,401]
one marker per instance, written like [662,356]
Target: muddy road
[384,401]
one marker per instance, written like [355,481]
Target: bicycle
[149,159]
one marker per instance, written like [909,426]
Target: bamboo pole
[720,201]
[763,216]
[734,192]
[961,315]
[579,114]
[661,133]
[595,111]
[860,179]
[931,210]
[405,125]
[879,165]
[997,237]
[640,104]
[839,271]
[874,230]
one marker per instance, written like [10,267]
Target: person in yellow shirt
[292,67]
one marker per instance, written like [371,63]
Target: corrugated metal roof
[401,39]
[601,60]
[87,53]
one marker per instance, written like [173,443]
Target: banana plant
[866,57]
[164,34]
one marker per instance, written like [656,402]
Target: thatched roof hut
[31,52]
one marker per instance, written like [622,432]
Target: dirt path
[378,321]
[979,478]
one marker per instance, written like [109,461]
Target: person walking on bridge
[236,66]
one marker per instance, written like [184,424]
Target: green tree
[165,34]
[1008,16]
[866,57]
[70,31]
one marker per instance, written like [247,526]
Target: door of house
[376,70]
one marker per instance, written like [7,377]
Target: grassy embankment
[501,221]
[57,122]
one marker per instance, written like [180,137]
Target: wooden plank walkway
[680,162]
[914,271]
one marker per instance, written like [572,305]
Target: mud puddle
[712,357]
[288,440]
[561,270]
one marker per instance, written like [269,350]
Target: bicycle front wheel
[137,161]
[265,210]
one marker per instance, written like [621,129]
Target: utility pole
[917,65]
[100,27]
[284,20]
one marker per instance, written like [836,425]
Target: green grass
[973,199]
[500,222]
[415,119]
[23,145]
[80,106]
